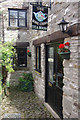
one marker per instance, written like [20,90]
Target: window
[20,59]
[17,18]
[38,58]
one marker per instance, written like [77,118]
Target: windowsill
[38,71]
[19,68]
[17,28]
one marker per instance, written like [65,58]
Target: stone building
[56,80]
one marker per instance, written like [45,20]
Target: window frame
[38,60]
[18,11]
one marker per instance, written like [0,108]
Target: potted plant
[29,53]
[26,82]
[64,51]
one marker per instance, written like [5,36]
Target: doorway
[54,78]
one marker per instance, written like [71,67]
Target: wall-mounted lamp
[64,27]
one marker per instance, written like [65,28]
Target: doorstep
[54,114]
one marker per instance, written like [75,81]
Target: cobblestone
[24,104]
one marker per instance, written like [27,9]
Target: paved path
[23,105]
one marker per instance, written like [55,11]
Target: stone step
[17,74]
[14,78]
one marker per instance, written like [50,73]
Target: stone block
[74,55]
[79,96]
[73,86]
[74,49]
[79,115]
[74,115]
[67,91]
[67,104]
[66,115]
[75,94]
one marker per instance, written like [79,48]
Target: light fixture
[64,27]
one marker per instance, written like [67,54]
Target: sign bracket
[40,4]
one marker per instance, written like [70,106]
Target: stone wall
[71,71]
[70,11]
[1,27]
[39,78]
[14,77]
[71,86]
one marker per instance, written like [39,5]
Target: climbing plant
[7,56]
[7,52]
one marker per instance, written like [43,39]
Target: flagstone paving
[23,105]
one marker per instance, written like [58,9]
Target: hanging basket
[29,54]
[65,55]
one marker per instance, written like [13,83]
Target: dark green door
[54,76]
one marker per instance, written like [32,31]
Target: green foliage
[29,54]
[0,83]
[26,82]
[6,55]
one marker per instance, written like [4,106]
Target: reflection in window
[51,64]
[13,22]
[13,14]
[59,81]
[21,14]
[38,59]
[20,58]
[17,18]
[21,22]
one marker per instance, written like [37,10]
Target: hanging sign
[40,17]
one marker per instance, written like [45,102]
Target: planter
[29,54]
[26,82]
[65,55]
[26,87]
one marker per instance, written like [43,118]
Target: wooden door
[54,79]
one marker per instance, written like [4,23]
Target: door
[22,57]
[54,79]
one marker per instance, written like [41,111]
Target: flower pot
[29,54]
[65,55]
[26,86]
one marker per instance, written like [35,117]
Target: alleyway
[23,105]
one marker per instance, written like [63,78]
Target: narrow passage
[23,105]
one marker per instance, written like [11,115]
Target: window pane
[21,22]
[50,64]
[21,14]
[13,14]
[21,57]
[13,22]
[37,57]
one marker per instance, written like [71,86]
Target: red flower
[67,43]
[28,51]
[61,46]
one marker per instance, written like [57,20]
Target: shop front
[57,81]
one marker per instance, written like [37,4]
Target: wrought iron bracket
[40,4]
